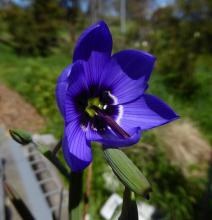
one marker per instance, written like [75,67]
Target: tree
[34,29]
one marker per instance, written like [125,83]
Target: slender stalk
[56,162]
[52,158]
[126,203]
[129,207]
[88,191]
[75,195]
[57,147]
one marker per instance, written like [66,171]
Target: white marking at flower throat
[121,109]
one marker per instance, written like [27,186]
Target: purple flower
[102,97]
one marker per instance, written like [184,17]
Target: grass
[35,79]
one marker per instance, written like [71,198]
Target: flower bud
[127,172]
[21,136]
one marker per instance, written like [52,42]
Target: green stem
[57,147]
[129,207]
[75,196]
[49,155]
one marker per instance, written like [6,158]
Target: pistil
[111,122]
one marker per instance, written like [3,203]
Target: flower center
[90,107]
[98,107]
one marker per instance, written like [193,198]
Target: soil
[15,112]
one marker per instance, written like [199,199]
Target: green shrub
[34,30]
[178,38]
[175,63]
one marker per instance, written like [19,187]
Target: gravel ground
[15,112]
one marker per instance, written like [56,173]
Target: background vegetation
[37,42]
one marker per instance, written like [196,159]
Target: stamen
[93,102]
[110,121]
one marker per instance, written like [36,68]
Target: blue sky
[23,3]
[163,3]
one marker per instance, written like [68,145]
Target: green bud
[127,172]
[21,136]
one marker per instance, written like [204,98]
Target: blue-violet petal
[76,149]
[146,112]
[96,38]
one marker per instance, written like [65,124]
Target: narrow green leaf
[127,172]
[21,136]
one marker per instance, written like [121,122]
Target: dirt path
[15,112]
